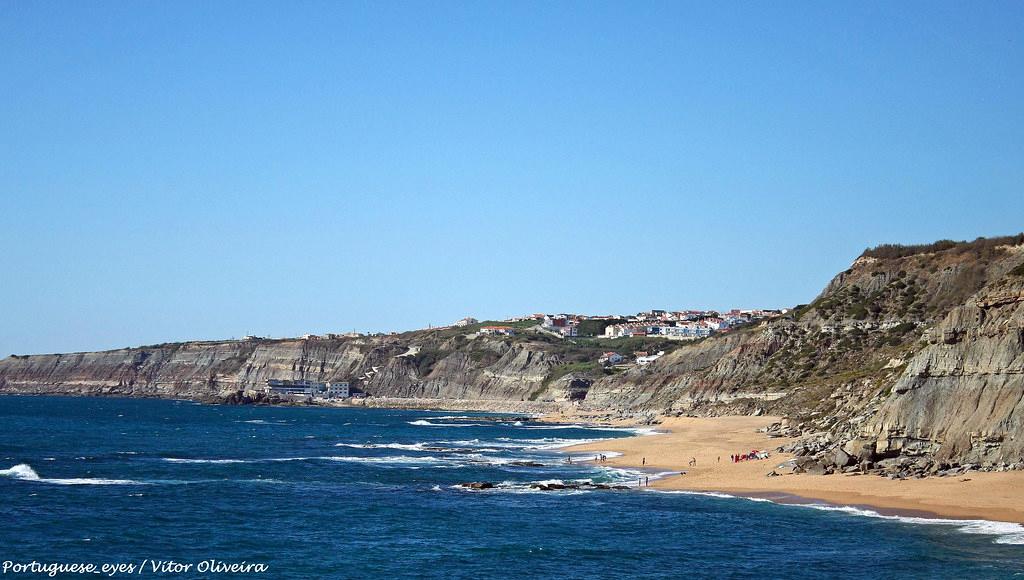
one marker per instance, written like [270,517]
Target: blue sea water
[357,493]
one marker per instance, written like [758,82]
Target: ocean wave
[401,446]
[1005,532]
[516,443]
[208,461]
[397,459]
[393,459]
[24,472]
[560,443]
[214,461]
[425,423]
[263,422]
[517,461]
[530,487]
[545,443]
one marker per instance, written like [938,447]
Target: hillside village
[685,325]
[605,331]
[672,325]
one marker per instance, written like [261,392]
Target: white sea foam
[550,482]
[502,442]
[1005,532]
[560,443]
[233,461]
[24,472]
[397,459]
[214,461]
[425,423]
[527,444]
[527,487]
[21,471]
[402,446]
[500,461]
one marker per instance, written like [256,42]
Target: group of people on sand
[754,454]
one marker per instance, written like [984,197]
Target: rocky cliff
[437,368]
[913,351]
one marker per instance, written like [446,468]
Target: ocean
[309,492]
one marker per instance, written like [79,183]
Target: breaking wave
[24,472]
[1005,532]
[215,461]
[398,459]
[425,423]
[401,446]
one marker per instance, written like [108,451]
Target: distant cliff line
[912,351]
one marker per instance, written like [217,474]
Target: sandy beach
[710,441]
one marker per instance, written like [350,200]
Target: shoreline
[975,496]
[992,497]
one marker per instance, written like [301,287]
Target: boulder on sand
[843,459]
[860,449]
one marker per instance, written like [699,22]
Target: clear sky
[201,170]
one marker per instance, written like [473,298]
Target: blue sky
[187,170]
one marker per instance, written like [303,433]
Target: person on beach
[647,481]
[643,461]
[568,459]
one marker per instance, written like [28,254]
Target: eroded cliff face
[208,370]
[962,395]
[719,371]
[916,355]
[908,352]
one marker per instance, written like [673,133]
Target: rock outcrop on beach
[913,352]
